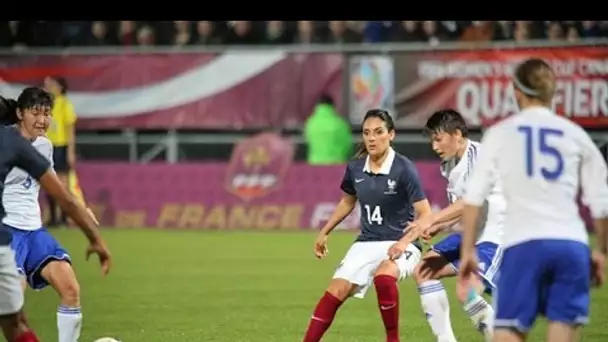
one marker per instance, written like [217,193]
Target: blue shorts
[488,253]
[34,249]
[543,277]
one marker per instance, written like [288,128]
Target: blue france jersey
[386,198]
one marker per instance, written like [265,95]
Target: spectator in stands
[339,33]
[99,34]
[306,33]
[555,31]
[572,34]
[406,31]
[276,33]
[126,33]
[328,135]
[375,31]
[503,30]
[183,33]
[207,33]
[241,33]
[62,134]
[452,30]
[15,33]
[521,32]
[145,36]
[430,33]
[590,29]
[479,31]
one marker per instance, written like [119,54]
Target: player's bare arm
[53,186]
[344,208]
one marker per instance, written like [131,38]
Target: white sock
[69,323]
[437,309]
[481,313]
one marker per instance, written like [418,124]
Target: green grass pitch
[170,286]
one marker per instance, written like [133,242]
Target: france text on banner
[229,90]
[371,85]
[478,84]
[195,196]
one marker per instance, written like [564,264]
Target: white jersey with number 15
[541,160]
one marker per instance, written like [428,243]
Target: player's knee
[420,276]
[340,288]
[389,268]
[61,276]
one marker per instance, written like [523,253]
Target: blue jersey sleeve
[28,158]
[411,183]
[347,182]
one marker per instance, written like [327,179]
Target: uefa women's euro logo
[371,84]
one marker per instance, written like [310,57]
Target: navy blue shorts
[34,249]
[488,253]
[543,277]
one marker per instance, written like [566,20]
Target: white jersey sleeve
[21,191]
[594,178]
[483,178]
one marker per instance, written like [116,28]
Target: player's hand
[93,217]
[421,224]
[396,250]
[429,233]
[105,259]
[320,248]
[598,265]
[467,273]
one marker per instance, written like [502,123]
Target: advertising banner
[477,83]
[230,90]
[206,196]
[371,85]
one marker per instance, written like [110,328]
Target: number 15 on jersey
[539,142]
[374,215]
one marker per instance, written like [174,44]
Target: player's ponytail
[8,111]
[361,151]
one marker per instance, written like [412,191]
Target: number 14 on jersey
[374,215]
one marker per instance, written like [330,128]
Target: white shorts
[363,258]
[11,292]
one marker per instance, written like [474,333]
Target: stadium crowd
[21,34]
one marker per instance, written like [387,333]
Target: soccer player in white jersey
[541,159]
[449,138]
[40,258]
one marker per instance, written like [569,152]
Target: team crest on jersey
[258,166]
[392,186]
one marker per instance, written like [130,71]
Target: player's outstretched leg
[385,281]
[61,276]
[479,310]
[325,311]
[433,296]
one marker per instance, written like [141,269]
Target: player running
[32,111]
[389,191]
[449,136]
[547,265]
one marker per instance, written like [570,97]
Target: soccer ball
[106,339]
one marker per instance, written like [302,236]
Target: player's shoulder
[42,142]
[357,163]
[403,164]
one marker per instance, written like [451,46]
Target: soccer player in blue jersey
[19,152]
[389,192]
[541,159]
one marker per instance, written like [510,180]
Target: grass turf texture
[235,287]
